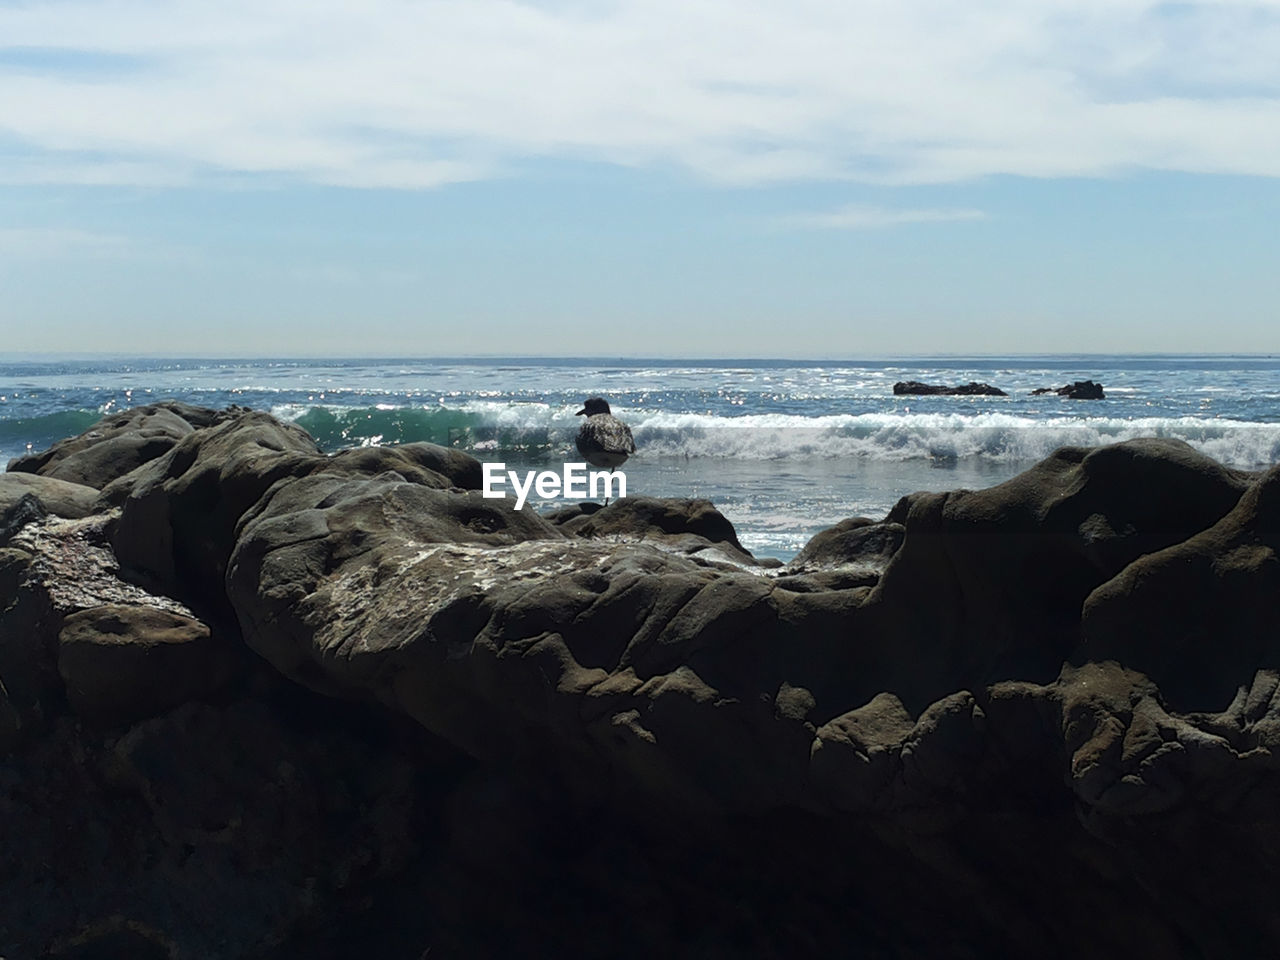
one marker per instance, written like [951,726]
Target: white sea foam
[991,436]
[888,436]
[782,449]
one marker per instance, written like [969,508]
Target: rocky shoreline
[263,702]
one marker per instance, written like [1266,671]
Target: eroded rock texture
[118,444]
[271,703]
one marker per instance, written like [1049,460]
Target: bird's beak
[581,412]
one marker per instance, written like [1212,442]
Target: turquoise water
[783,447]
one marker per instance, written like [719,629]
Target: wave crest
[26,434]
[544,430]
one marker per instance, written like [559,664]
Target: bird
[603,440]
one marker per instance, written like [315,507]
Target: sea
[784,448]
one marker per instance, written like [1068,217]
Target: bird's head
[593,406]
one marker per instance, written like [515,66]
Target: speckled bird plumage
[603,440]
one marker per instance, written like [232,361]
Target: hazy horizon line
[55,356]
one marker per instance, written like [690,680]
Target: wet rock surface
[268,703]
[1077,390]
[971,389]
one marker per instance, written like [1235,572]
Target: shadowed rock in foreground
[268,703]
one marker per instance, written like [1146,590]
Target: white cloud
[46,242]
[857,217]
[415,93]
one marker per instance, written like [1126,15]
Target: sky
[763,178]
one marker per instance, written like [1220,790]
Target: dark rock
[56,497]
[74,569]
[988,585]
[179,520]
[971,389]
[26,509]
[28,675]
[856,541]
[642,742]
[177,526]
[121,664]
[308,529]
[118,444]
[878,758]
[820,581]
[10,723]
[849,556]
[115,493]
[214,831]
[54,569]
[423,463]
[687,525]
[522,646]
[27,497]
[1079,390]
[976,587]
[856,755]
[1199,616]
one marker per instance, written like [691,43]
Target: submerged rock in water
[1078,390]
[916,388]
[473,729]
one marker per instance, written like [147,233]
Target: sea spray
[538,430]
[782,447]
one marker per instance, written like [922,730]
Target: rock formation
[117,444]
[262,702]
[1078,390]
[916,388]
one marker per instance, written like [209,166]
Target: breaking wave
[535,429]
[25,434]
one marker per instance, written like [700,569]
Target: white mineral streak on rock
[423,586]
[73,562]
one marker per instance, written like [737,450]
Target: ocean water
[783,447]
